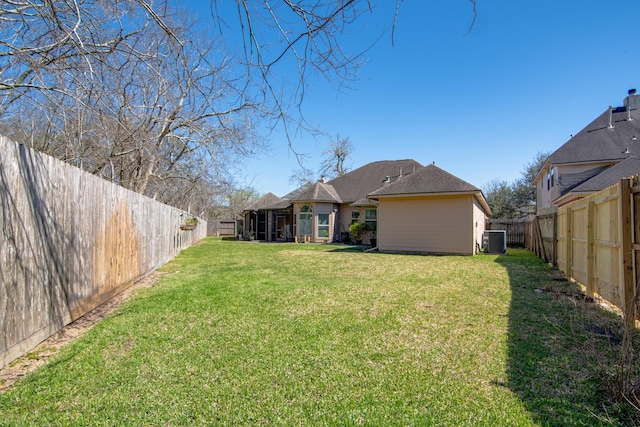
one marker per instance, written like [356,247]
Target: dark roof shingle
[625,169]
[319,192]
[598,142]
[268,201]
[430,179]
[368,178]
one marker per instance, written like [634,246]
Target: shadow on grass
[555,361]
[350,248]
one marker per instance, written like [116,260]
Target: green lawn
[282,334]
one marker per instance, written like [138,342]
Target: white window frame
[323,227]
[305,214]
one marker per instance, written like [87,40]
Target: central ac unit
[495,241]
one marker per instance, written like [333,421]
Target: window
[355,216]
[306,220]
[371,218]
[548,180]
[323,225]
[553,176]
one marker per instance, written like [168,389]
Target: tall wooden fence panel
[597,243]
[635,242]
[541,236]
[71,241]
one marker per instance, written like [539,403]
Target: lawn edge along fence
[71,241]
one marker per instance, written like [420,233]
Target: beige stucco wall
[345,216]
[431,224]
[318,208]
[479,225]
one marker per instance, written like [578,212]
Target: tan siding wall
[426,224]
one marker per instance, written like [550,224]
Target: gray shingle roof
[598,142]
[358,183]
[428,180]
[268,201]
[319,192]
[294,193]
[625,169]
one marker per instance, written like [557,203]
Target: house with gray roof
[412,208]
[431,211]
[600,155]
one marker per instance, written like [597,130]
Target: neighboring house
[412,207]
[604,152]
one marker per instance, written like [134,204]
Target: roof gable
[431,180]
[318,192]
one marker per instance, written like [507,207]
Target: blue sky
[480,105]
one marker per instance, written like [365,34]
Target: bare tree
[139,93]
[334,159]
[155,113]
[302,176]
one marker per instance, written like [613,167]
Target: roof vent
[610,125]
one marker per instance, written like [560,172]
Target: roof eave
[316,201]
[423,194]
[571,196]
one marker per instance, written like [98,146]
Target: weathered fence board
[516,229]
[71,241]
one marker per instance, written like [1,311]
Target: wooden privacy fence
[516,229]
[598,244]
[221,228]
[542,234]
[71,241]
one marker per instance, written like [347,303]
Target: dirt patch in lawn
[52,345]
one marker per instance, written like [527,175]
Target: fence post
[591,282]
[635,236]
[554,243]
[569,243]
[626,246]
